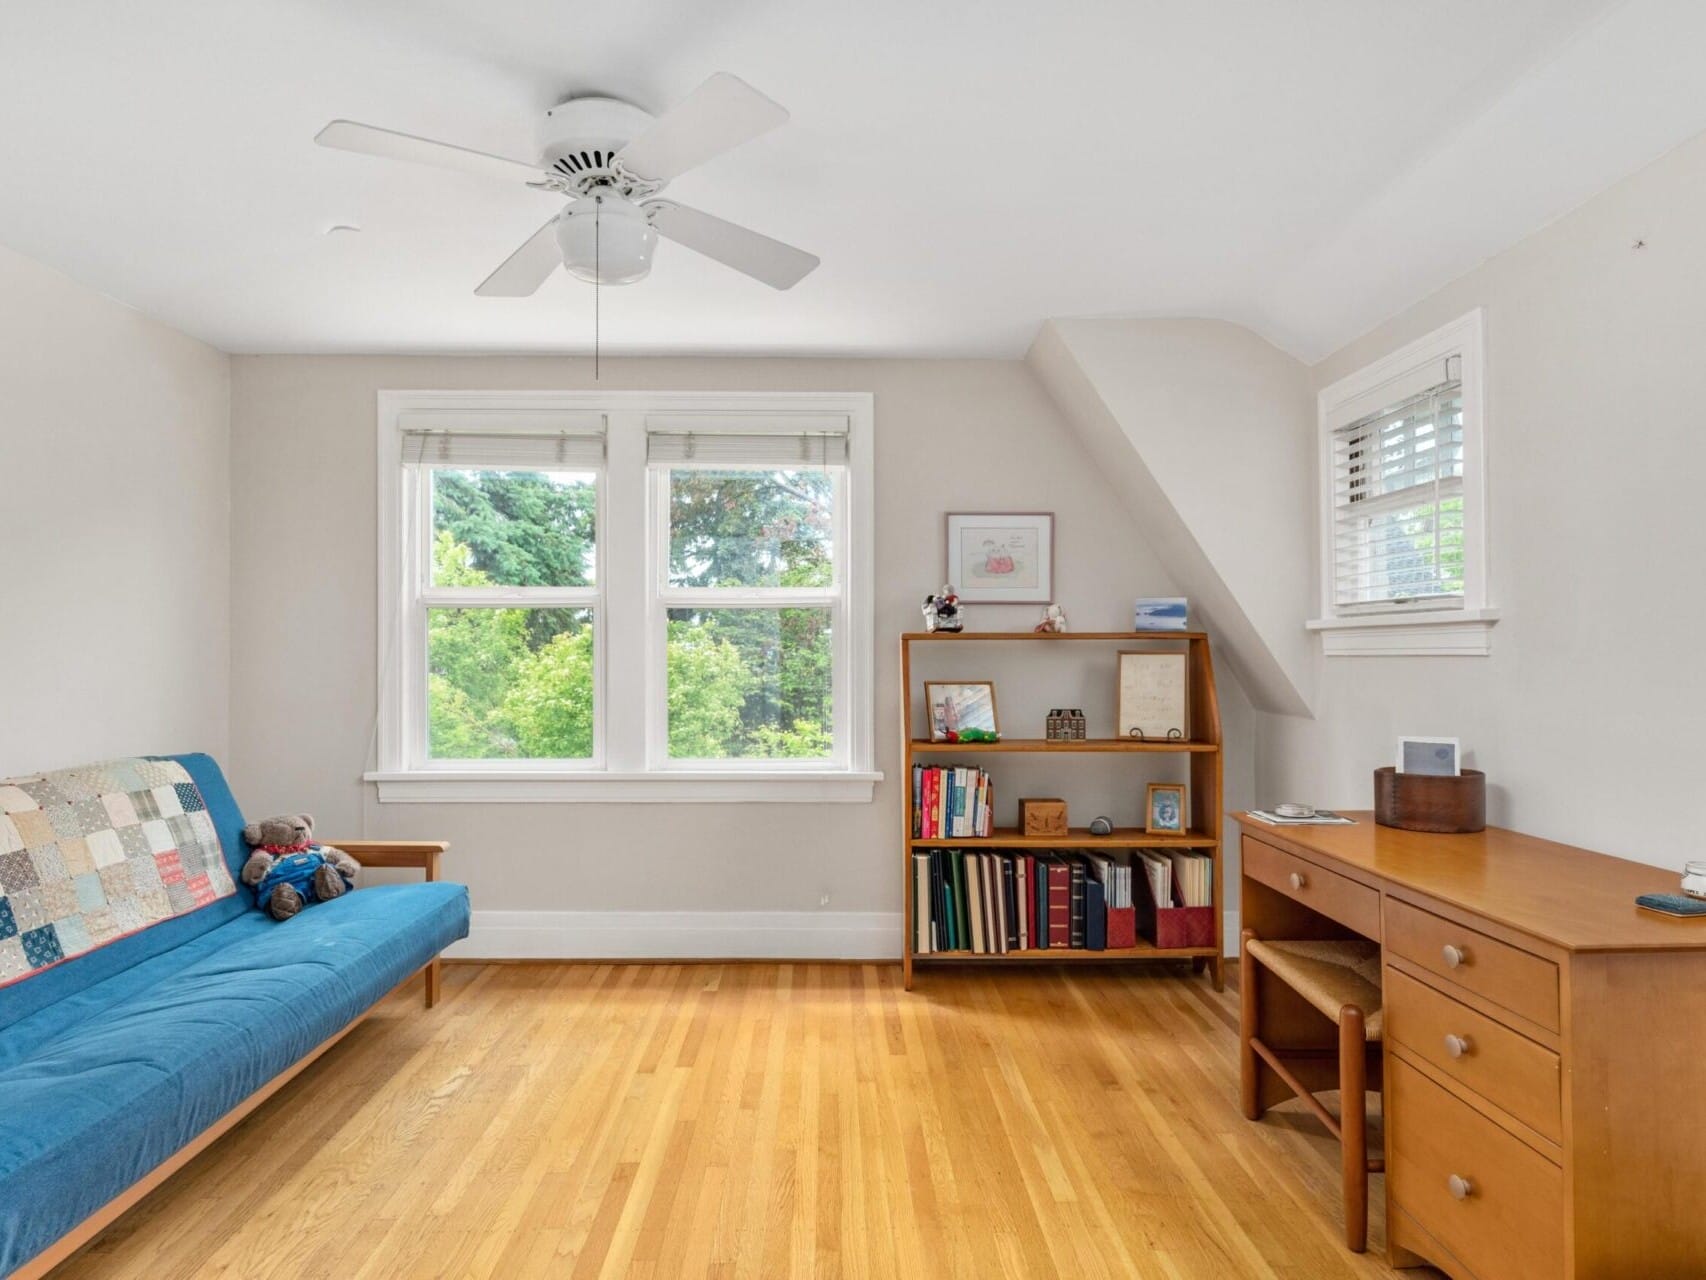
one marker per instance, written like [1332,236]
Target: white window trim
[1417,630]
[629,609]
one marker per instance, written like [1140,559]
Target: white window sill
[439,786]
[1462,633]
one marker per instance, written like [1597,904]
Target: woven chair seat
[1329,975]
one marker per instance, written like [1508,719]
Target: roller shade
[1397,479]
[817,444]
[522,441]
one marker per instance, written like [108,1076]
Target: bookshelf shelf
[1057,955]
[1203,754]
[1069,746]
[1075,838]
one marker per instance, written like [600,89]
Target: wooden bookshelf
[1203,753]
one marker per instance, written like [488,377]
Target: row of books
[991,903]
[952,802]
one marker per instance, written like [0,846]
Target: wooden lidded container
[1423,802]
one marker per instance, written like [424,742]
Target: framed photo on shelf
[1164,809]
[1153,696]
[998,558]
[1435,757]
[958,705]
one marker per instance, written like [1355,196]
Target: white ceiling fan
[613,158]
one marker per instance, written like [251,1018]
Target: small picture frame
[1431,757]
[1164,809]
[1160,613]
[957,705]
[1001,558]
[1154,696]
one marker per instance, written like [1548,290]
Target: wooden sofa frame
[422,855]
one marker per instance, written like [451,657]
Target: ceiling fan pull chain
[597,272]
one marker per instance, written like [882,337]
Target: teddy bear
[287,870]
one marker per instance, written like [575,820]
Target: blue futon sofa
[144,998]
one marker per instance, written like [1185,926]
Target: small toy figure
[1054,621]
[287,870]
[942,612]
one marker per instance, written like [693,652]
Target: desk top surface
[1573,898]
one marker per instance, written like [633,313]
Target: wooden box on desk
[1173,925]
[1042,817]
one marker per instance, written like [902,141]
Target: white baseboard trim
[670,935]
[694,935]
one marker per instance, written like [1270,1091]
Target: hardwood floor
[766,1121]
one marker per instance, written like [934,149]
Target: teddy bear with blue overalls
[287,870]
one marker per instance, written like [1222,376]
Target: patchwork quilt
[93,854]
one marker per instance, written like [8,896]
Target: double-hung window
[633,596]
[1403,518]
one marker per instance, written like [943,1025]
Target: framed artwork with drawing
[996,558]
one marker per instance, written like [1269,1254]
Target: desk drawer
[1509,1220]
[1505,1068]
[1508,976]
[1338,897]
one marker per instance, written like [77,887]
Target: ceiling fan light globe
[607,244]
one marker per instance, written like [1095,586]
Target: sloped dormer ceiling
[1203,427]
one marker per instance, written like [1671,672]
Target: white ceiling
[965,169]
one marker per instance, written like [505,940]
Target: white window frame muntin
[665,597]
[1421,627]
[624,777]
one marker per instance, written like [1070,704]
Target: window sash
[1392,474]
[424,597]
[664,597]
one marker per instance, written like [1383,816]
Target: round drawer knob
[1457,1046]
[1461,1188]
[1455,956]
[1297,880]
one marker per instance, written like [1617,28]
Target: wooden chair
[1341,979]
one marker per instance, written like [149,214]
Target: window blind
[826,447]
[1397,480]
[523,441]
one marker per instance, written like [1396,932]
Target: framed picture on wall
[996,558]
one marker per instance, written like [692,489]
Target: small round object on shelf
[1694,879]
[1101,827]
[1295,810]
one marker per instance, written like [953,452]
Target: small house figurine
[942,612]
[1065,724]
[1054,621]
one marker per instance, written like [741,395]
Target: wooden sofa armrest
[422,854]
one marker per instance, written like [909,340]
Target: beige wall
[114,529]
[1588,715]
[950,435]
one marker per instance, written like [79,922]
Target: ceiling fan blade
[527,268]
[781,266]
[720,114]
[347,135]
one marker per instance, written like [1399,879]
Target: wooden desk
[1544,1061]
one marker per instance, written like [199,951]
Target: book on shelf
[993,902]
[952,802]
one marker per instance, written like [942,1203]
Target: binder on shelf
[1173,924]
[1095,916]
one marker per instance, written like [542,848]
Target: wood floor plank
[762,1121]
